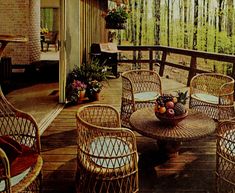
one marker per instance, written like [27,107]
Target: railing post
[162,65]
[150,59]
[134,65]
[233,75]
[193,66]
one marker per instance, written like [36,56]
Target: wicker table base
[196,125]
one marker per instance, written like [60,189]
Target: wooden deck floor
[192,171]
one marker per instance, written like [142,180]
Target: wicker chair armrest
[127,89]
[5,170]
[227,89]
[31,122]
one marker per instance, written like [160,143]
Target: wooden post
[193,67]
[150,59]
[233,75]
[134,66]
[162,65]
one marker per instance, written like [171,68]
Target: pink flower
[77,84]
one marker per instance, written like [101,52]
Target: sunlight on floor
[49,55]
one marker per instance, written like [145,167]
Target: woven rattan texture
[215,85]
[137,81]
[196,125]
[23,128]
[107,154]
[225,157]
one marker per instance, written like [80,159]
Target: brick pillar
[34,30]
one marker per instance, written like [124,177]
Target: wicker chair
[140,88]
[212,93]
[107,154]
[22,128]
[225,157]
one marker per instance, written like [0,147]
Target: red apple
[170,105]
[170,112]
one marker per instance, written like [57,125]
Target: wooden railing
[165,51]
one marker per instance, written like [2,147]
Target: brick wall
[21,17]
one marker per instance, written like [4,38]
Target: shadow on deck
[192,171]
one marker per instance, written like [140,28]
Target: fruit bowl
[174,120]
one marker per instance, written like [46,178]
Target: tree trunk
[185,24]
[195,24]
[215,26]
[140,27]
[157,16]
[230,24]
[131,25]
[168,22]
[179,35]
[135,24]
[220,14]
[146,21]
[172,23]
[135,31]
[207,25]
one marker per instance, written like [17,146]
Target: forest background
[206,25]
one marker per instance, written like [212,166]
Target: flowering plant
[44,30]
[78,85]
[73,88]
[95,86]
[118,15]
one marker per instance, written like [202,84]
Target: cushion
[110,147]
[25,160]
[11,147]
[207,98]
[14,180]
[145,96]
[21,158]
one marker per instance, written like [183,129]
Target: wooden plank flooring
[192,171]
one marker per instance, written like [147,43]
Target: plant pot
[95,96]
[81,95]
[115,25]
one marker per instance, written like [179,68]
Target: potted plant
[116,18]
[75,91]
[86,77]
[93,89]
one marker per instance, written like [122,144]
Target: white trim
[62,66]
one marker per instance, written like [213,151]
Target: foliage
[182,96]
[81,78]
[118,15]
[44,30]
[93,87]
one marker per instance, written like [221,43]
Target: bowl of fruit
[171,109]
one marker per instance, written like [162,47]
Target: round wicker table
[196,125]
[5,39]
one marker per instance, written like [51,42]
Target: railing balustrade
[194,54]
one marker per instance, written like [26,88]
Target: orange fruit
[175,100]
[162,110]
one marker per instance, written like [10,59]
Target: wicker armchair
[225,157]
[107,154]
[212,93]
[140,88]
[21,128]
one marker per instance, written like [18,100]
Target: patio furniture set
[107,157]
